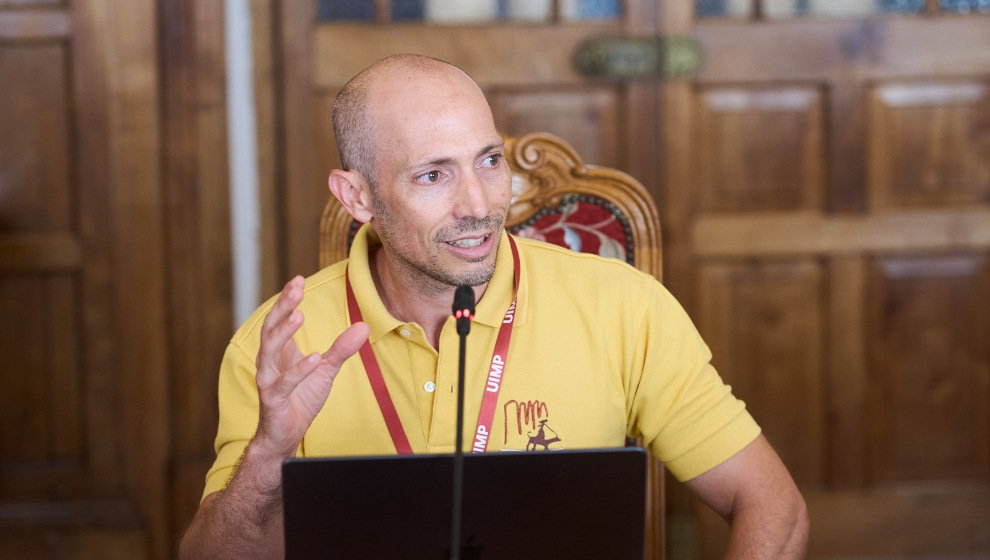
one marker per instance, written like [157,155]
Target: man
[599,351]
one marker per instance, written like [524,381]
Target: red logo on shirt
[541,438]
[530,430]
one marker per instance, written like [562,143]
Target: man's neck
[412,297]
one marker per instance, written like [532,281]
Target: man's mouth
[468,242]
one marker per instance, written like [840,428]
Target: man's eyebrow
[490,147]
[432,162]
[449,160]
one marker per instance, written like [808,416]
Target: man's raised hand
[292,388]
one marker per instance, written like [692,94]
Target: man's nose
[472,197]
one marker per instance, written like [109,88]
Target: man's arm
[244,520]
[755,493]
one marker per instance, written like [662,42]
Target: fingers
[349,342]
[281,323]
[294,396]
[281,366]
[292,388]
[330,362]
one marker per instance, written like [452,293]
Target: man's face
[443,186]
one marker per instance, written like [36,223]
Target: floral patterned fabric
[582,223]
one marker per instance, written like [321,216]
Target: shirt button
[405,333]
[430,386]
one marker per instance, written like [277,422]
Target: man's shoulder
[326,279]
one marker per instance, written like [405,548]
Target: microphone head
[463,308]
[463,299]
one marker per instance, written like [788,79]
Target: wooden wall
[114,271]
[827,192]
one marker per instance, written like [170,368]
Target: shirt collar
[373,311]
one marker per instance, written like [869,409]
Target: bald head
[357,121]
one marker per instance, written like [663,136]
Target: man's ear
[353,192]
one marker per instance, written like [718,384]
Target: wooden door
[520,53]
[826,189]
[82,376]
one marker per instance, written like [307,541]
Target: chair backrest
[558,198]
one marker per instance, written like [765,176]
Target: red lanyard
[496,370]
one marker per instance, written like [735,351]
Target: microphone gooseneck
[463,310]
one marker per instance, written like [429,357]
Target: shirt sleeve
[686,414]
[238,402]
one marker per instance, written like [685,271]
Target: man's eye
[429,177]
[492,160]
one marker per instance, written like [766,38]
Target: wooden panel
[64,514]
[102,543]
[83,404]
[760,149]
[588,119]
[39,251]
[62,363]
[33,25]
[802,233]
[197,226]
[125,335]
[86,235]
[352,47]
[847,371]
[771,353]
[879,47]
[929,396]
[907,96]
[937,521]
[40,396]
[921,148]
[930,521]
[30,3]
[23,434]
[130,59]
[35,191]
[42,426]
[91,146]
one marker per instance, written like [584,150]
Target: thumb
[347,344]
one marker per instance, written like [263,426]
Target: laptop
[555,504]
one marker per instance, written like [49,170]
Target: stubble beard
[430,276]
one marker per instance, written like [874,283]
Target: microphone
[463,310]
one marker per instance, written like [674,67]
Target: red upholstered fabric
[586,225]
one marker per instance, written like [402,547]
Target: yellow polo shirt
[600,351]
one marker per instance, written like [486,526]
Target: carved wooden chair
[558,198]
